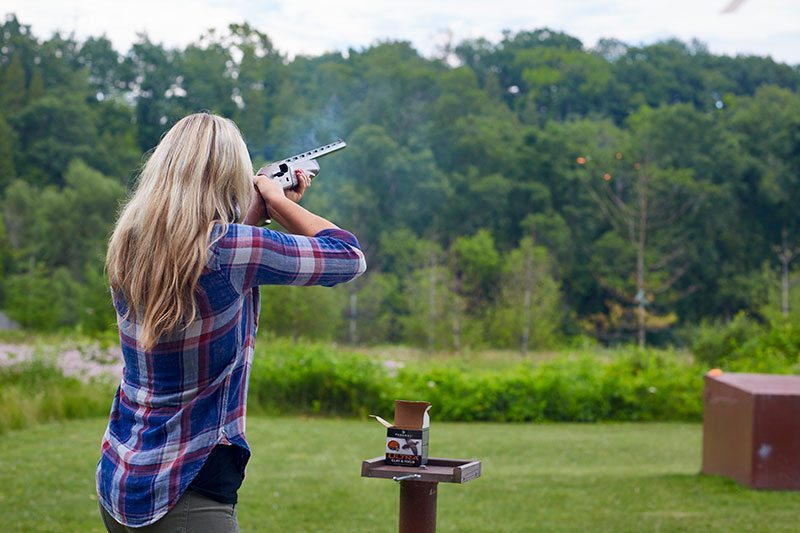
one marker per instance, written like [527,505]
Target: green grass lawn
[304,476]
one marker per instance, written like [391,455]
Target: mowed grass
[305,476]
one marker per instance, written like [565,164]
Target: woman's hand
[271,191]
[303,182]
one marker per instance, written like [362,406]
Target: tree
[12,85]
[19,212]
[6,258]
[379,305]
[430,302]
[475,266]
[449,169]
[38,220]
[107,73]
[52,131]
[205,71]
[528,310]
[559,83]
[85,209]
[769,128]
[303,312]
[116,153]
[260,73]
[643,256]
[41,298]
[8,171]
[155,84]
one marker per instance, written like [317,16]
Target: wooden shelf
[437,470]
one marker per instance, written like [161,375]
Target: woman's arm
[297,219]
[259,256]
[282,206]
[315,252]
[257,214]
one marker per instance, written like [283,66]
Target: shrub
[715,343]
[744,345]
[36,391]
[623,384]
[290,377]
[775,350]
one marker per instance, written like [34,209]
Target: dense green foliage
[507,194]
[37,392]
[748,346]
[584,385]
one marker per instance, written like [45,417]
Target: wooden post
[418,506]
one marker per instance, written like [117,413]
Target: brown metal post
[418,506]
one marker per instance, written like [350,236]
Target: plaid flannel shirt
[189,393]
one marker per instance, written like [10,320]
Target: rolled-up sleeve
[260,256]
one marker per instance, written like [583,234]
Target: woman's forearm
[297,219]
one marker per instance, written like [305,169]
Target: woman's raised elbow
[356,264]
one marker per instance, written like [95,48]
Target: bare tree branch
[671,281]
[664,261]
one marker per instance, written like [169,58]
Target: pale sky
[762,27]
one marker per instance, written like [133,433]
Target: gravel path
[84,362]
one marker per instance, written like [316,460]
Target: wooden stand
[419,487]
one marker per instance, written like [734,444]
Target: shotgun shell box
[407,438]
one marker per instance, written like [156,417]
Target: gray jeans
[193,512]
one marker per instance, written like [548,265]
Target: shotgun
[283,171]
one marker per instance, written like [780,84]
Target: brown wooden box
[751,429]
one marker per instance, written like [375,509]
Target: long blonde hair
[198,175]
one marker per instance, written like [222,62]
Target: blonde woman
[185,265]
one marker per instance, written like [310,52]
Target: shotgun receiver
[283,171]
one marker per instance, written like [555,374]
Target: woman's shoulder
[230,230]
[228,236]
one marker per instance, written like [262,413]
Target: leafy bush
[584,388]
[775,350]
[744,345]
[628,385]
[289,377]
[35,391]
[624,384]
[714,343]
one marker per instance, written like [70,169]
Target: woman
[185,269]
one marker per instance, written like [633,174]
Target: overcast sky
[763,27]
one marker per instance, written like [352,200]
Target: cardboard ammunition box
[407,438]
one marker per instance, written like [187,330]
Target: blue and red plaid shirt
[189,393]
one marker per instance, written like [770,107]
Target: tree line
[513,194]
